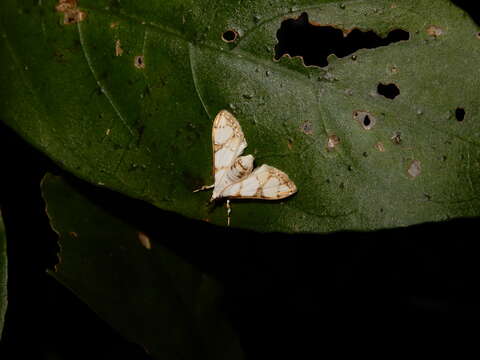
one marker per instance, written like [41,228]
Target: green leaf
[3,274]
[124,96]
[151,296]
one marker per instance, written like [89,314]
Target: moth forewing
[227,137]
[228,144]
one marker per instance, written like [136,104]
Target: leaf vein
[195,80]
[102,87]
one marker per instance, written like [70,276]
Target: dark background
[410,291]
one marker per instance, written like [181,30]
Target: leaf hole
[460,114]
[390,91]
[314,42]
[365,119]
[139,62]
[229,36]
[307,128]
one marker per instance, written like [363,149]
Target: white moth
[234,174]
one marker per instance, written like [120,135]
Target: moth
[234,175]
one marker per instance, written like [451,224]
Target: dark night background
[381,293]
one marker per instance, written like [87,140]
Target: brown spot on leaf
[380,147]
[396,138]
[333,140]
[434,31]
[114,25]
[73,234]
[460,114]
[290,144]
[118,48]
[71,13]
[307,128]
[414,169]
[144,240]
[139,62]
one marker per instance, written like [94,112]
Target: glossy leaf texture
[3,275]
[145,292]
[123,94]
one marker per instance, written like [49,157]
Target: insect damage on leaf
[380,147]
[71,14]
[366,119]
[314,42]
[390,91]
[139,62]
[333,140]
[118,48]
[396,138]
[459,114]
[307,128]
[230,36]
[434,31]
[414,169]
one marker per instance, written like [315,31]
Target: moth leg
[204,187]
[229,210]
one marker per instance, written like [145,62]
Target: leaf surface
[125,96]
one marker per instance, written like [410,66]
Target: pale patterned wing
[265,182]
[228,144]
